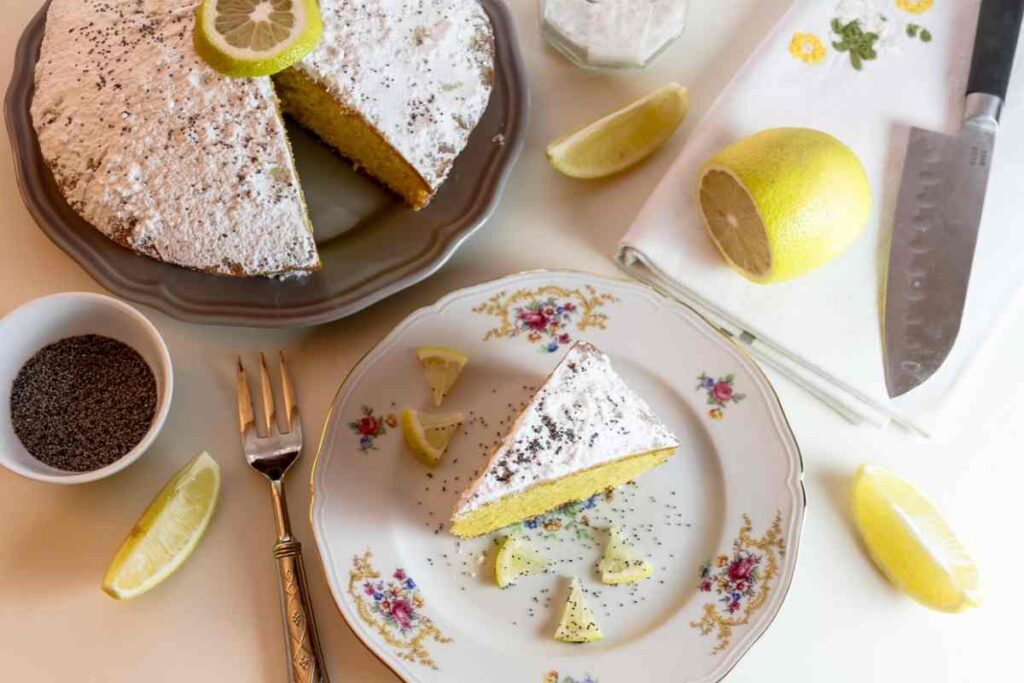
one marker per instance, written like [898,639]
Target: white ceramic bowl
[48,319]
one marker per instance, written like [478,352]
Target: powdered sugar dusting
[583,416]
[160,152]
[420,71]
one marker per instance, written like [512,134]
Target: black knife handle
[994,45]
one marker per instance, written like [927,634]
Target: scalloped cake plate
[720,521]
[371,245]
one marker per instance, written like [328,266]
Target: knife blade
[938,212]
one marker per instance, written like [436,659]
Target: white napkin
[824,330]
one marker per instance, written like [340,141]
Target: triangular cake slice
[584,431]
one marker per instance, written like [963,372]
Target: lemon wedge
[249,38]
[623,138]
[782,202]
[578,624]
[516,558]
[911,543]
[620,563]
[167,532]
[428,434]
[442,367]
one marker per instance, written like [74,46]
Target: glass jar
[608,34]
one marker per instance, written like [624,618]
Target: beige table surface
[217,619]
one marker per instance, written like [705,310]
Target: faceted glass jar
[610,34]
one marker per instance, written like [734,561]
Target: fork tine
[268,396]
[245,416]
[288,392]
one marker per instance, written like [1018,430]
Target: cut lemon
[517,558]
[578,624]
[911,543]
[428,434]
[624,137]
[620,564]
[783,202]
[249,38]
[442,367]
[167,532]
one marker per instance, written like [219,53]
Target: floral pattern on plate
[368,427]
[546,315]
[394,609]
[741,581]
[571,517]
[720,393]
[554,677]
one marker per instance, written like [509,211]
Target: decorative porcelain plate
[371,245]
[720,521]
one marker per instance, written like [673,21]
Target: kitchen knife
[938,211]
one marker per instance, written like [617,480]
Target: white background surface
[217,619]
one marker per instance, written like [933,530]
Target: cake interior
[313,107]
[550,495]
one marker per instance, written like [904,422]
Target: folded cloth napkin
[824,330]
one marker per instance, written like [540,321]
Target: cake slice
[584,431]
[396,86]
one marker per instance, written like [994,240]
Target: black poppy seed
[83,402]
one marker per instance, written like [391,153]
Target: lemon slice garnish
[428,434]
[578,624]
[249,38]
[517,558]
[442,366]
[911,543]
[167,532]
[624,137]
[620,563]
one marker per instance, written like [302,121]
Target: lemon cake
[178,162]
[160,152]
[397,86]
[583,431]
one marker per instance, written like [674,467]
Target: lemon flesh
[620,563]
[784,202]
[622,138]
[911,543]
[167,532]
[428,434]
[250,38]
[517,558]
[441,367]
[578,624]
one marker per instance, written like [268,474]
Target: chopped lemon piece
[911,543]
[578,624]
[442,367]
[428,434]
[622,138]
[249,38]
[620,564]
[167,532]
[517,558]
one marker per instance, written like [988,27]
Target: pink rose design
[400,574]
[705,586]
[570,307]
[722,392]
[401,612]
[369,425]
[563,338]
[740,569]
[535,320]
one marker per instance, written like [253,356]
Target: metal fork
[271,451]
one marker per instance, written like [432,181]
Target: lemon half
[167,532]
[249,38]
[911,543]
[783,202]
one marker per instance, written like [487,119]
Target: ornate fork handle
[306,662]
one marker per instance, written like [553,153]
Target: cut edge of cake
[580,480]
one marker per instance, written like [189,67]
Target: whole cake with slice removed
[584,431]
[171,158]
